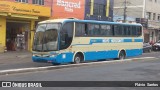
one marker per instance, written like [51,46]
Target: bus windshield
[46,37]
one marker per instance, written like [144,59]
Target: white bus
[73,41]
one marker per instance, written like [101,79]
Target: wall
[2,32]
[134,8]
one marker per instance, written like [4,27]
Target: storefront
[17,24]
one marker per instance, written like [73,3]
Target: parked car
[156,46]
[147,47]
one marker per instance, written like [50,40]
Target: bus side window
[126,31]
[134,31]
[80,29]
[106,30]
[66,35]
[96,30]
[86,30]
[90,29]
[116,30]
[139,31]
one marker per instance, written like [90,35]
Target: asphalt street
[25,61]
[136,70]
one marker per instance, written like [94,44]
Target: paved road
[137,70]
[23,60]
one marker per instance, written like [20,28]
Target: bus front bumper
[59,58]
[44,59]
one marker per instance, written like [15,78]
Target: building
[101,10]
[145,9]
[18,19]
[68,9]
[83,9]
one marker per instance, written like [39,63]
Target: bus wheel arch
[78,57]
[122,54]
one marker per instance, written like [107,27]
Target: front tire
[78,59]
[121,55]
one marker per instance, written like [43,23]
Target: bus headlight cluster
[52,55]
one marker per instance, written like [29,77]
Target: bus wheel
[77,59]
[122,55]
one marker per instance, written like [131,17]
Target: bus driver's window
[66,35]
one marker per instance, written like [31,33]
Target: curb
[24,70]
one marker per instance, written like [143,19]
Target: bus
[61,41]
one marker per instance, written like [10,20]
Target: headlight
[52,56]
[33,55]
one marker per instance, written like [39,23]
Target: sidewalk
[18,59]
[15,57]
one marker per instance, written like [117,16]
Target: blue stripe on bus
[138,40]
[100,22]
[93,56]
[89,56]
[127,40]
[134,52]
[114,40]
[110,41]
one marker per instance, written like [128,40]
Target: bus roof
[87,21]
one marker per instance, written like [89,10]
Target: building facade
[18,19]
[68,9]
[101,10]
[147,9]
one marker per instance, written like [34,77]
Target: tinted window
[106,30]
[80,29]
[93,29]
[101,30]
[127,31]
[66,35]
[139,31]
[134,31]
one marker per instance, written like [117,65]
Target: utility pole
[125,10]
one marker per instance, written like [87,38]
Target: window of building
[158,17]
[39,2]
[99,9]
[148,15]
[154,16]
[24,1]
[155,1]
